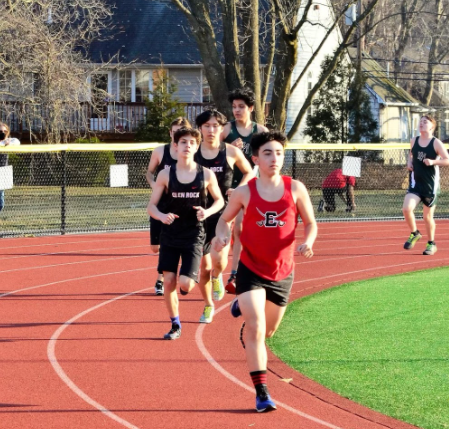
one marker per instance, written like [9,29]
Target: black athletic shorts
[155,231]
[277,292]
[427,201]
[190,256]
[211,225]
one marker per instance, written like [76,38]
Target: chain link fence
[67,189]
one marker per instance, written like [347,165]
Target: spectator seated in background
[5,140]
[337,184]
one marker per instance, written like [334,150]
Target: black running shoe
[159,288]
[174,333]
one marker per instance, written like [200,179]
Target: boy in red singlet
[271,205]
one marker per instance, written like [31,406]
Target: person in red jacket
[338,184]
[271,205]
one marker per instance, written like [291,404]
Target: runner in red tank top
[271,206]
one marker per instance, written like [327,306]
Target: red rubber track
[81,336]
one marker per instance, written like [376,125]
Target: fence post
[294,164]
[63,190]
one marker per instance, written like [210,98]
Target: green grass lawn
[381,342]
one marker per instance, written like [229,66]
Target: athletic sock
[416,232]
[233,272]
[175,320]
[259,379]
[431,242]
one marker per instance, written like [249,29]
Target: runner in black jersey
[239,133]
[186,186]
[220,158]
[162,157]
[426,155]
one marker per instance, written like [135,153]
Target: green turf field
[381,342]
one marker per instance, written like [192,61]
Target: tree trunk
[250,23]
[230,41]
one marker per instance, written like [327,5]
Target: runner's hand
[169,218]
[305,250]
[200,212]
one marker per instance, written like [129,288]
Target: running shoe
[230,286]
[218,288]
[235,308]
[159,288]
[174,333]
[412,240]
[208,314]
[431,249]
[264,403]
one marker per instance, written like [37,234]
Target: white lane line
[106,259]
[67,380]
[373,269]
[79,252]
[73,280]
[62,243]
[202,348]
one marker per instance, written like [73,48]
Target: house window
[125,86]
[142,85]
[445,89]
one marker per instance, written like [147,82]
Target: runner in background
[162,157]
[186,186]
[221,158]
[427,153]
[338,184]
[271,205]
[238,133]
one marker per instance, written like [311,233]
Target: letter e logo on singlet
[270,219]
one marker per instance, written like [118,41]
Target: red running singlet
[268,233]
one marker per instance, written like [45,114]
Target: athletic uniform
[424,180]
[246,149]
[184,238]
[223,171]
[156,225]
[268,244]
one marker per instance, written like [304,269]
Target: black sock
[416,232]
[259,379]
[431,242]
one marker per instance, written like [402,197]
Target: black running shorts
[426,200]
[155,231]
[211,225]
[190,256]
[277,292]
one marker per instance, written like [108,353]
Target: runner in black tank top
[185,185]
[161,158]
[222,158]
[180,200]
[220,166]
[427,154]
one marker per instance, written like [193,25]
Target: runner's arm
[305,209]
[235,204]
[155,160]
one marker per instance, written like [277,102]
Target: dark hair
[432,120]
[259,139]
[186,131]
[202,118]
[181,121]
[244,94]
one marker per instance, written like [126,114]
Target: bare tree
[273,23]
[43,65]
